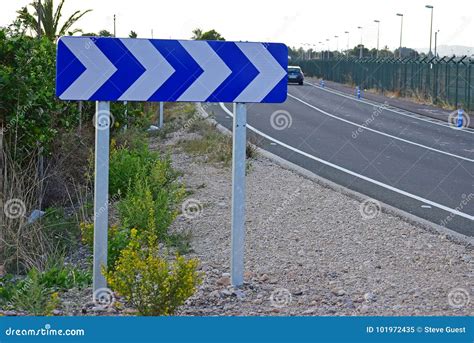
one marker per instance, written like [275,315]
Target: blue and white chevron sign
[109,69]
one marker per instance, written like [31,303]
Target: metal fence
[446,81]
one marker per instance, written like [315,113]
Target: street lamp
[401,31]
[347,33]
[327,46]
[321,47]
[360,52]
[431,27]
[436,43]
[378,35]
[337,43]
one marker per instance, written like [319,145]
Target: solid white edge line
[375,103]
[350,172]
[379,132]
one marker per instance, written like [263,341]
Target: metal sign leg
[161,115]
[101,191]
[238,194]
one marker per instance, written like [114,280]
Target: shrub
[32,295]
[127,166]
[150,283]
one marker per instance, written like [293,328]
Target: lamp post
[114,27]
[337,43]
[347,33]
[378,35]
[327,46]
[321,50]
[436,43]
[360,51]
[431,28]
[401,32]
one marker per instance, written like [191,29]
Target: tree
[132,34]
[209,35]
[105,33]
[49,19]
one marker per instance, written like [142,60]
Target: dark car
[295,75]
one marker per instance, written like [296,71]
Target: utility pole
[401,31]
[360,51]
[378,36]
[39,18]
[431,28]
[347,33]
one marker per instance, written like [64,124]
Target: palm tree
[49,19]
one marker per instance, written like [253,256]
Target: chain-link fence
[445,81]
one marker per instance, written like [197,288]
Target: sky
[294,23]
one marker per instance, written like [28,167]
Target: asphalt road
[422,166]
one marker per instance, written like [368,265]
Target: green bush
[127,166]
[38,292]
[28,108]
[149,282]
[33,297]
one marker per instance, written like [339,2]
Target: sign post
[101,191]
[107,69]
[160,123]
[238,193]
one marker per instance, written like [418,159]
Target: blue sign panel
[115,69]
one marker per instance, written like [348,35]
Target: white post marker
[160,124]
[101,191]
[238,193]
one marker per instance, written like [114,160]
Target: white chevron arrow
[215,71]
[158,70]
[270,72]
[98,69]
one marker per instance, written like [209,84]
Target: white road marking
[374,103]
[350,172]
[379,132]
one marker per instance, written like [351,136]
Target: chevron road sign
[114,69]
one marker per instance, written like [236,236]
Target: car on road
[295,75]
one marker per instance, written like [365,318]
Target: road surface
[419,165]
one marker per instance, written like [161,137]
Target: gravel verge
[313,251]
